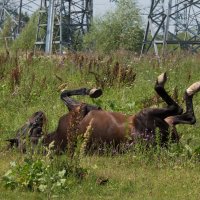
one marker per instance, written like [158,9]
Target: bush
[120,29]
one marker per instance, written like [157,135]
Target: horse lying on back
[113,127]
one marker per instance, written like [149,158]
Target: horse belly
[104,130]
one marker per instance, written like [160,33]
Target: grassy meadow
[31,83]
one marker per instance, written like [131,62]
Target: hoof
[162,78]
[62,87]
[194,88]
[95,93]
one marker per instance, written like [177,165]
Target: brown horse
[113,127]
[116,128]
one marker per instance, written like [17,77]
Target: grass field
[31,84]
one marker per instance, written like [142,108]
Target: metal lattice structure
[172,22]
[17,12]
[62,23]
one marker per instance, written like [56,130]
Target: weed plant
[46,174]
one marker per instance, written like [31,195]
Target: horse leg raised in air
[108,127]
[68,124]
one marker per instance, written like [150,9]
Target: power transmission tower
[62,23]
[174,23]
[17,12]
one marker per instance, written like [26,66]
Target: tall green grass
[29,84]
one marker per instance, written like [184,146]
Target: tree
[120,28]
[26,39]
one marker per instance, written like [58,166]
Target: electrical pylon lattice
[174,23]
[61,23]
[17,11]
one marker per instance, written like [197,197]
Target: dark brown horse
[116,128]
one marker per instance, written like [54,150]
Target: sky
[102,6]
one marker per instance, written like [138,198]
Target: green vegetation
[29,84]
[5,33]
[26,39]
[120,29]
[47,174]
